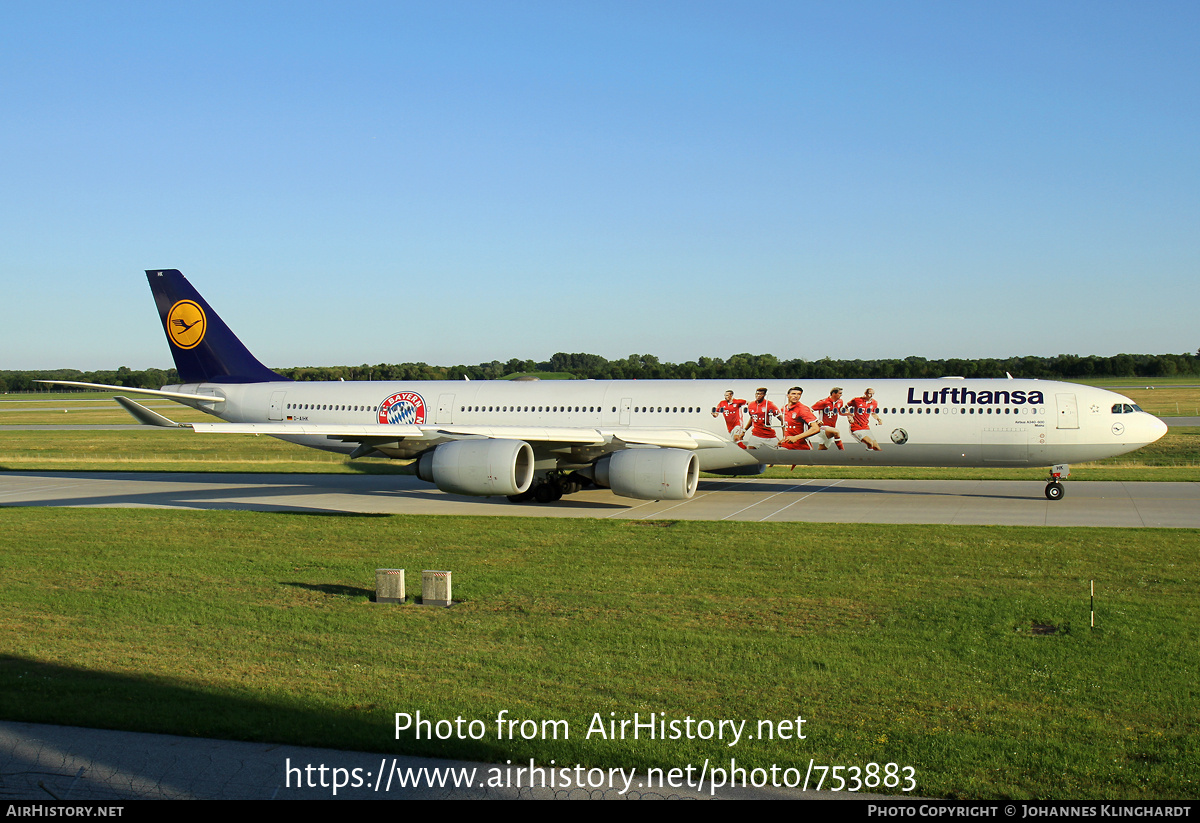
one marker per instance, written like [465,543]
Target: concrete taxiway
[802,499]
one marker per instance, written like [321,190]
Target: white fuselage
[943,422]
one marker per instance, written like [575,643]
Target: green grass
[77,395]
[173,450]
[905,644]
[95,414]
[1138,382]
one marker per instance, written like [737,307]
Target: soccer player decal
[761,435]
[731,409]
[829,409]
[861,410]
[799,422]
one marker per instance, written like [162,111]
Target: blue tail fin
[204,348]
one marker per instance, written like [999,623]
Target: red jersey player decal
[829,410]
[761,435]
[861,410]
[799,422]
[731,408]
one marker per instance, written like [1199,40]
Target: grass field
[964,652]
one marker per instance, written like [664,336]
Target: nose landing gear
[1054,489]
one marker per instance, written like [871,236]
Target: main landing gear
[552,488]
[1054,489]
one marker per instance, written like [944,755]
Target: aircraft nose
[1157,428]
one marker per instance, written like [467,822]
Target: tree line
[649,367]
[26,381]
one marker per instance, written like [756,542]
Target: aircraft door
[626,405]
[445,412]
[275,412]
[1068,411]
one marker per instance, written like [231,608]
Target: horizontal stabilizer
[174,395]
[147,417]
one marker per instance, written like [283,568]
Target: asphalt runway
[814,500]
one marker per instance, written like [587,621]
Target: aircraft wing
[336,431]
[385,432]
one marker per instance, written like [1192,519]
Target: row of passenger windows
[538,409]
[581,409]
[969,410]
[1117,408]
[328,407]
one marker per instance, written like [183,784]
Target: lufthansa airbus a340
[645,439]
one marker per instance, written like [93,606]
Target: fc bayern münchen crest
[403,407]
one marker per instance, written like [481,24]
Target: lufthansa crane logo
[186,324]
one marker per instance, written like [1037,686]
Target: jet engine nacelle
[479,467]
[649,474]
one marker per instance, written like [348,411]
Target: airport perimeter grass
[964,652]
[166,450]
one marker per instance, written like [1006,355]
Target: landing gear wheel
[1054,491]
[547,493]
[523,497]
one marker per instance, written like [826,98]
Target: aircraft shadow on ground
[256,498]
[265,498]
[36,691]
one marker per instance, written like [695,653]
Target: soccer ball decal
[899,437]
[404,407]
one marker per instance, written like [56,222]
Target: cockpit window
[1116,409]
[1130,409]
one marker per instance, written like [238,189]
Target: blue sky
[459,182]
